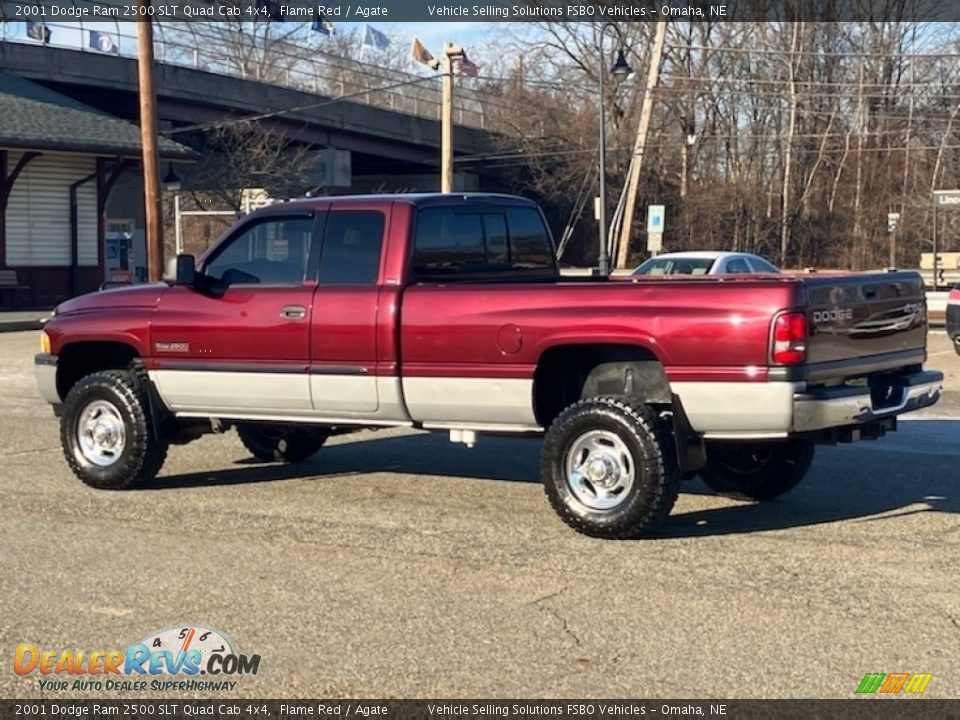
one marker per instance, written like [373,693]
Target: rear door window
[738,266]
[350,253]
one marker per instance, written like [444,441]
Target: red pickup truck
[447,312]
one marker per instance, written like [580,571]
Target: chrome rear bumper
[851,406]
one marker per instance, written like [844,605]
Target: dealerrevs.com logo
[186,658]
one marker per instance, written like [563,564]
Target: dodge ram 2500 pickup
[448,313]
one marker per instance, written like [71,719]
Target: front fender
[127,326]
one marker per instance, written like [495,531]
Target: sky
[433,34]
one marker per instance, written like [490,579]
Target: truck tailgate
[863,323]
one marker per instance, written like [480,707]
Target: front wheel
[609,468]
[757,470]
[106,432]
[288,443]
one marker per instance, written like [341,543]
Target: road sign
[946,198]
[893,219]
[655,218]
[654,242]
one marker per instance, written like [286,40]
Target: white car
[705,263]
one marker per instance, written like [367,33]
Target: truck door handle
[293,312]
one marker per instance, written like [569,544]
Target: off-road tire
[758,471]
[270,443]
[656,475]
[142,455]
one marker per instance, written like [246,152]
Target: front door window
[273,251]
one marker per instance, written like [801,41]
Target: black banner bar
[220,709]
[385,11]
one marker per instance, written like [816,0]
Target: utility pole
[451,52]
[621,69]
[148,139]
[603,254]
[636,160]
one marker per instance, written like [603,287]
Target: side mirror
[186,273]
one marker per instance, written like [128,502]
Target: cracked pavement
[396,564]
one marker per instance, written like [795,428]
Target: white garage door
[38,212]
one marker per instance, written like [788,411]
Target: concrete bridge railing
[294,62]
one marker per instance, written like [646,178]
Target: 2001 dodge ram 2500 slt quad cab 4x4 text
[447,312]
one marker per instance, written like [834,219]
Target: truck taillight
[954,296]
[790,339]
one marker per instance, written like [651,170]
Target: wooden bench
[9,284]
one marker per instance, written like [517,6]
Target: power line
[819,53]
[518,157]
[805,83]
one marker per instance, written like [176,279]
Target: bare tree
[244,155]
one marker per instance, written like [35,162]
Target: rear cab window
[481,241]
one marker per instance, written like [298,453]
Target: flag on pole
[323,26]
[38,31]
[375,39]
[470,69]
[103,42]
[423,56]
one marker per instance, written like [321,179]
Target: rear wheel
[270,442]
[757,470]
[609,467]
[106,432]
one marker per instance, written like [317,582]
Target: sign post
[655,223]
[893,220]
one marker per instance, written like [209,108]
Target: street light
[621,70]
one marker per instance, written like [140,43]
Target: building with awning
[71,200]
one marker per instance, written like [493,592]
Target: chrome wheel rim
[599,469]
[101,433]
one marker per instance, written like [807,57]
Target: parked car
[953,317]
[448,313]
[705,263]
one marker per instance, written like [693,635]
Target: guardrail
[224,49]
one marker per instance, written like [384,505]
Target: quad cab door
[353,371]
[238,343]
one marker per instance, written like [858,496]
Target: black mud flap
[691,452]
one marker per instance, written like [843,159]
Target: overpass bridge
[388,120]
[71,211]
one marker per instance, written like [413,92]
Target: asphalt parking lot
[395,564]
